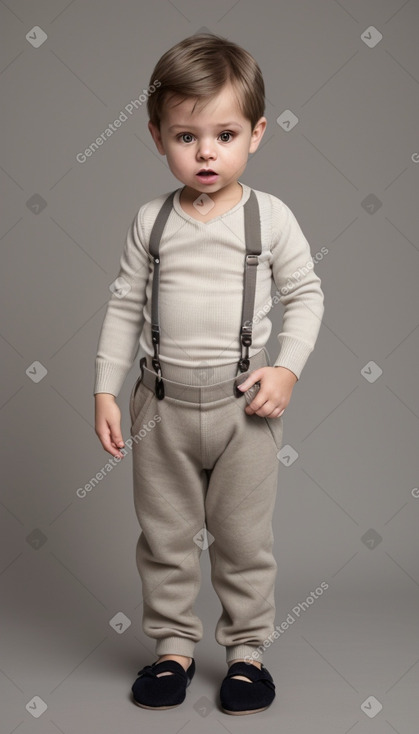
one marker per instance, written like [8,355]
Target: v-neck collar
[177,206]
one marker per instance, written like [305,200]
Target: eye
[183,135]
[226,133]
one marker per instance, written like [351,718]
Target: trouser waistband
[200,391]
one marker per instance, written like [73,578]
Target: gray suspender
[155,237]
[253,249]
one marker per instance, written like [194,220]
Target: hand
[276,385]
[108,423]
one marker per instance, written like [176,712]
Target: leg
[169,488]
[239,507]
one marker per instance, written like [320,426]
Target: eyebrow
[220,124]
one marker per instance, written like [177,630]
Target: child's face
[218,138]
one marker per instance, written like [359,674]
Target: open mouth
[207,176]
[206,172]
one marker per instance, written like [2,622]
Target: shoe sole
[240,713]
[156,708]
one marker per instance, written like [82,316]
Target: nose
[206,150]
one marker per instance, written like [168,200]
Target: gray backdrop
[341,149]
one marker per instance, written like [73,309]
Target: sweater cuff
[109,377]
[293,354]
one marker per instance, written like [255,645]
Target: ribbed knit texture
[201,291]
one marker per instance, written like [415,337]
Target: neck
[232,192]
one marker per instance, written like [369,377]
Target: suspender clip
[246,335]
[252,260]
[159,389]
[143,363]
[157,366]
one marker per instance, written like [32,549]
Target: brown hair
[199,66]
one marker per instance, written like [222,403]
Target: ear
[257,134]
[156,135]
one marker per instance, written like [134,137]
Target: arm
[119,337]
[123,323]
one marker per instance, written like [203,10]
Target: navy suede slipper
[245,697]
[151,692]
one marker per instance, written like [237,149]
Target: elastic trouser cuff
[247,652]
[175,646]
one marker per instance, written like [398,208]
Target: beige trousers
[205,477]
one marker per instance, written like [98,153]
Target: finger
[116,439]
[111,448]
[254,406]
[114,433]
[275,414]
[115,448]
[249,381]
[107,439]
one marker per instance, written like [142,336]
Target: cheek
[177,156]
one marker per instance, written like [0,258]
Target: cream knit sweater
[201,291]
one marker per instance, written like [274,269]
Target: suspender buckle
[246,334]
[252,260]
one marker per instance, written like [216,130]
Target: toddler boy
[194,289]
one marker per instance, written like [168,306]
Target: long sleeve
[298,289]
[119,338]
